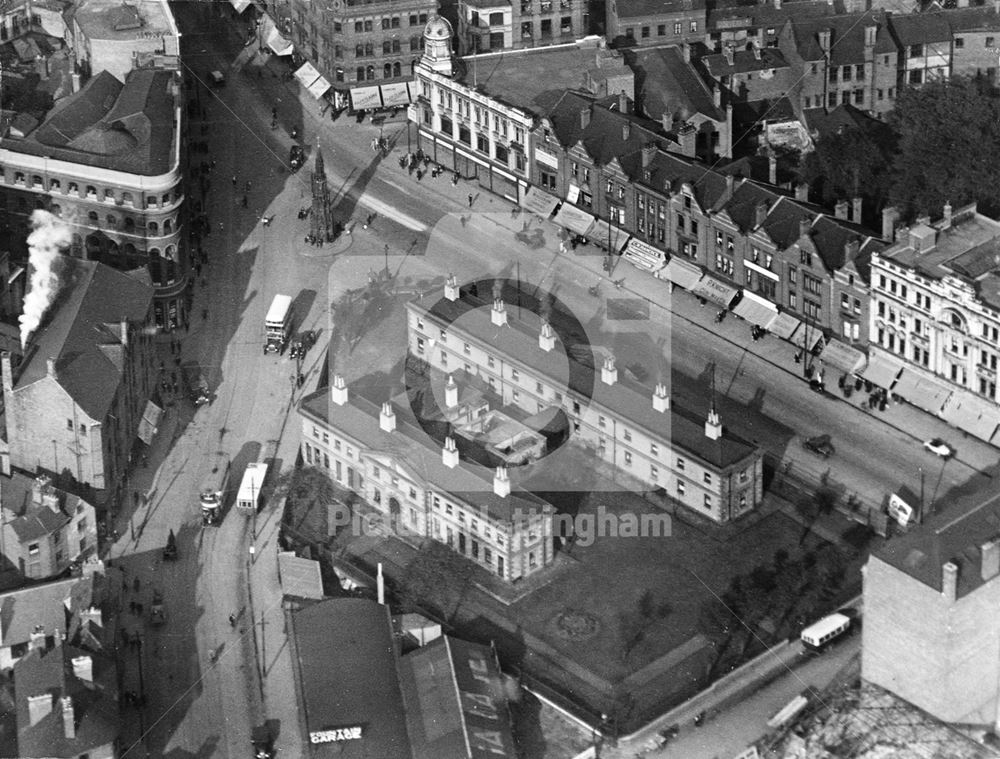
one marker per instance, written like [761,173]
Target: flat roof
[279,308]
[513,77]
[115,20]
[348,678]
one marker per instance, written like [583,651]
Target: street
[200,674]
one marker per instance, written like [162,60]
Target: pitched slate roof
[82,331]
[95,704]
[603,138]
[766,15]
[847,38]
[920,28]
[34,520]
[123,127]
[668,171]
[669,85]
[744,61]
[45,605]
[742,207]
[982,18]
[637,8]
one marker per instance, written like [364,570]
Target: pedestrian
[232,620]
[470,200]
[245,201]
[463,220]
[234,180]
[135,497]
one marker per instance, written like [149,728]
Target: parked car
[939,447]
[820,445]
[218,79]
[296,157]
[302,343]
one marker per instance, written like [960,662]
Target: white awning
[150,422]
[756,310]
[573,194]
[842,357]
[601,232]
[396,94]
[365,98]
[715,290]
[924,392]
[973,414]
[682,273]
[307,74]
[539,202]
[318,88]
[240,5]
[807,336]
[882,369]
[784,326]
[273,38]
[576,221]
[644,256]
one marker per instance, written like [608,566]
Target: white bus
[248,496]
[788,712]
[819,634]
[278,324]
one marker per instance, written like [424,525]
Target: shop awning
[576,221]
[318,88]
[784,326]
[682,273]
[240,5]
[644,256]
[882,369]
[714,290]
[539,202]
[307,74]
[842,357]
[396,94]
[807,336]
[602,232]
[365,98]
[925,392]
[756,310]
[150,422]
[273,38]
[573,194]
[975,415]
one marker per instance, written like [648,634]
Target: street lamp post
[387,261]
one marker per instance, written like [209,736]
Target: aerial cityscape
[547,379]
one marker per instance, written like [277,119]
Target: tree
[948,146]
[851,163]
[438,576]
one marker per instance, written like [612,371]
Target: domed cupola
[437,45]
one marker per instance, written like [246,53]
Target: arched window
[109,196]
[74,188]
[397,69]
[56,210]
[91,191]
[386,47]
[167,227]
[387,71]
[369,49]
[112,221]
[54,184]
[359,51]
[361,73]
[414,44]
[92,218]
[154,228]
[36,181]
[370,72]
[129,224]
[395,46]
[165,200]
[127,199]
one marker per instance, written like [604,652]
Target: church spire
[320,171]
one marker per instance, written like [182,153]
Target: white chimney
[451,288]
[83,668]
[501,482]
[451,393]
[39,707]
[949,581]
[380,583]
[36,640]
[713,427]
[661,401]
[338,390]
[499,313]
[69,718]
[124,326]
[387,418]
[609,373]
[449,454]
[50,365]
[546,337]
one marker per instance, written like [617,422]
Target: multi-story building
[420,484]
[935,314]
[482,130]
[976,40]
[931,596]
[924,42]
[117,37]
[750,76]
[649,22]
[45,529]
[848,59]
[366,51]
[107,161]
[490,26]
[745,26]
[74,404]
[635,429]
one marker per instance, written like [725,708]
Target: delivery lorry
[248,496]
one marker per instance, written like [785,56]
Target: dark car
[820,445]
[296,157]
[302,343]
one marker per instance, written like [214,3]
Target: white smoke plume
[49,236]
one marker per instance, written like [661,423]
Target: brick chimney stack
[840,210]
[802,192]
[69,718]
[856,210]
[451,288]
